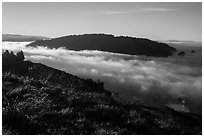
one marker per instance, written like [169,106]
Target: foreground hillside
[103,42]
[21,38]
[41,100]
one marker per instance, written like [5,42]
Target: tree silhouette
[13,62]
[20,56]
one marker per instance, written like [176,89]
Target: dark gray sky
[157,21]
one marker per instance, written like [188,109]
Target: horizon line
[166,40]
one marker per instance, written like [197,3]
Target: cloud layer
[156,79]
[129,11]
[159,9]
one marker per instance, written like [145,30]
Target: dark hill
[40,100]
[110,43]
[21,38]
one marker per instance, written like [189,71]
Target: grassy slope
[43,100]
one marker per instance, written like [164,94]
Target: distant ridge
[178,41]
[172,40]
[21,38]
[110,43]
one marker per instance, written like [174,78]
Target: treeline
[110,43]
[13,62]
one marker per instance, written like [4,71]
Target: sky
[156,21]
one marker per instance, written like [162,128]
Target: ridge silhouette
[110,43]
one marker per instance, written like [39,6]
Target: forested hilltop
[37,99]
[110,43]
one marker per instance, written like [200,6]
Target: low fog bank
[158,80]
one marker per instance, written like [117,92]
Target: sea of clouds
[158,79]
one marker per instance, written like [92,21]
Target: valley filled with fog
[148,80]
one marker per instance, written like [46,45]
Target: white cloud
[158,9]
[128,11]
[135,75]
[112,12]
[107,12]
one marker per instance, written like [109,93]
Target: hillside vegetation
[110,43]
[38,100]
